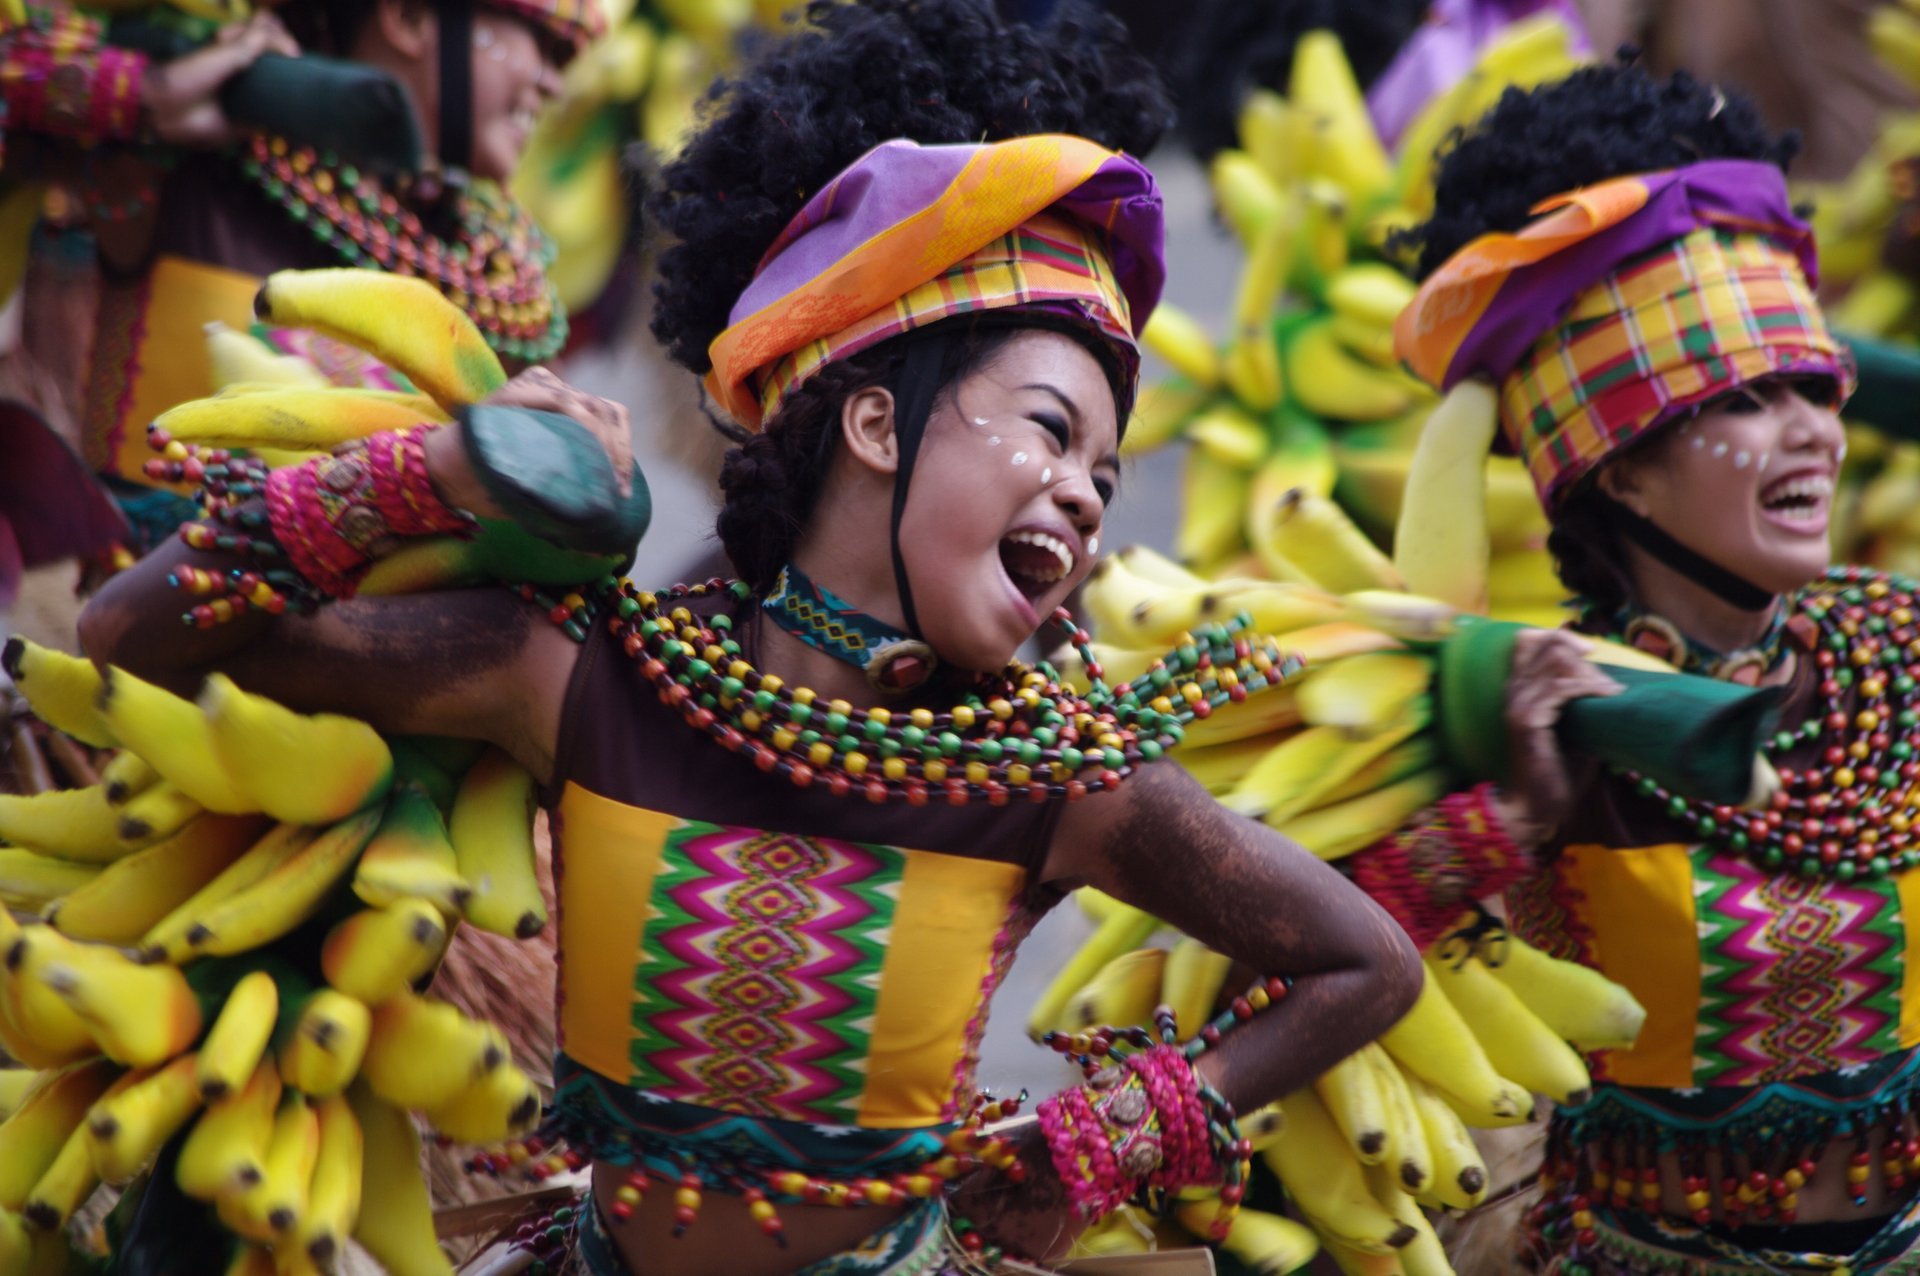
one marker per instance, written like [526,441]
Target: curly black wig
[856,75]
[1599,122]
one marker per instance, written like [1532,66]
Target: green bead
[707,700]
[730,688]
[799,714]
[1844,677]
[1772,857]
[1029,752]
[1738,840]
[1151,750]
[729,646]
[809,738]
[1647,786]
[764,701]
[1707,826]
[846,743]
[949,744]
[912,737]
[875,729]
[988,751]
[627,608]
[1175,733]
[1072,758]
[1114,759]
[1878,866]
[836,723]
[1808,866]
[698,669]
[1676,805]
[1161,678]
[890,748]
[1046,737]
[721,623]
[1901,749]
[1845,869]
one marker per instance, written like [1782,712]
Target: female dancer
[803,820]
[1664,370]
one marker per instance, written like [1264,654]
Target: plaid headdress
[910,235]
[1629,302]
[578,22]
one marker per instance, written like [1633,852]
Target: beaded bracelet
[1430,872]
[1145,1124]
[59,81]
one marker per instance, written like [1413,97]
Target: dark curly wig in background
[1598,123]
[861,74]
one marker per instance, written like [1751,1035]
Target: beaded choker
[494,267]
[1661,638]
[894,662]
[1021,734]
[1850,812]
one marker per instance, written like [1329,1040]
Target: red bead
[801,775]
[839,783]
[876,791]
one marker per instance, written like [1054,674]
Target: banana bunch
[211,959]
[637,83]
[1301,426]
[1386,1133]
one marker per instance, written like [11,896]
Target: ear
[408,27]
[1621,479]
[866,427]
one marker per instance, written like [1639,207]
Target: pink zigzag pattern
[1801,977]
[776,1073]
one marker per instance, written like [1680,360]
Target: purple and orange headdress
[1626,304]
[910,235]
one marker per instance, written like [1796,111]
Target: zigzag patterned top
[732,944]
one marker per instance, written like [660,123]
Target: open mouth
[1035,562]
[1798,500]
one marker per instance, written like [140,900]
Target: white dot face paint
[1719,450]
[1742,459]
[993,440]
[1093,546]
[1766,459]
[1019,458]
[1699,442]
[1046,475]
[980,420]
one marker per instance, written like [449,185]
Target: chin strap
[912,405]
[456,84]
[1717,580]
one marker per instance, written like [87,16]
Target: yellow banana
[492,833]
[422,1052]
[1248,198]
[396,1216]
[276,1204]
[411,857]
[1122,995]
[402,321]
[1220,767]
[36,1026]
[234,357]
[222,1155]
[237,1042]
[15,1083]
[1259,715]
[1459,1172]
[500,1105]
[34,1134]
[1191,984]
[1517,1043]
[71,824]
[1328,382]
[29,880]
[125,776]
[1301,457]
[1369,693]
[172,734]
[297,767]
[1423,1255]
[1213,498]
[1409,617]
[286,896]
[1286,779]
[161,810]
[67,1183]
[141,1015]
[1177,337]
[1341,828]
[1263,1127]
[60,688]
[379,951]
[1351,1092]
[325,1043]
[1228,434]
[1124,929]
[291,420]
[1440,544]
[1324,1180]
[1370,293]
[1434,1043]
[1576,1002]
[1266,127]
[128,1128]
[1419,752]
[1160,413]
[333,1199]
[1315,536]
[1252,370]
[129,897]
[167,939]
[1411,1165]
[1322,83]
[1265,1244]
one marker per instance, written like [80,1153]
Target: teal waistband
[617,1125]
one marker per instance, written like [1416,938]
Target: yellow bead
[1876,589]
[1697,1200]
[792,1183]
[1857,1173]
[855,763]
[840,707]
[934,771]
[680,616]
[751,720]
[977,773]
[1582,1219]
[573,602]
[803,695]
[1258,998]
[713,655]
[879,1192]
[881,716]
[686,1198]
[772,682]
[1191,692]
[627,1195]
[1018,774]
[1844,777]
[836,1194]
[739,669]
[1867,720]
[894,768]
[1061,772]
[760,1211]
[1000,709]
[921,1185]
[1228,678]
[820,754]
[1162,705]
[783,738]
[963,715]
[922,718]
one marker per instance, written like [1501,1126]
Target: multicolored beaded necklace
[1021,734]
[494,268]
[894,662]
[1853,811]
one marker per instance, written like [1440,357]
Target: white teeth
[1813,488]
[1062,553]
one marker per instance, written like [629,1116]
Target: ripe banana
[1434,1043]
[1356,823]
[300,768]
[1351,1092]
[1441,540]
[60,688]
[1459,1172]
[1249,199]
[72,824]
[237,1041]
[291,420]
[167,940]
[126,775]
[1322,83]
[1123,930]
[276,1204]
[411,856]
[141,1015]
[68,1181]
[160,810]
[1576,1002]
[1369,693]
[1517,1044]
[333,1199]
[1329,382]
[15,1083]
[492,833]
[1324,1180]
[286,896]
[1312,535]
[1123,994]
[396,1216]
[222,1155]
[29,881]
[1265,1244]
[1191,983]
[324,1044]
[1178,337]
[497,1106]
[402,321]
[422,1052]
[171,733]
[1213,498]
[129,897]
[380,951]
[34,1134]
[127,1128]
[40,1029]
[240,357]
[1411,1166]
